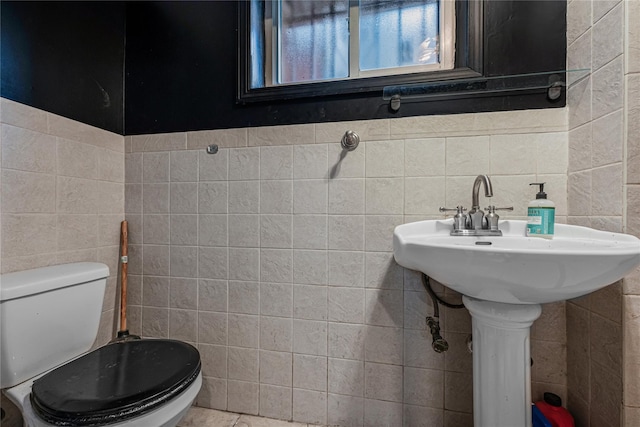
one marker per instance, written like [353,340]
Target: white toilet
[49,321]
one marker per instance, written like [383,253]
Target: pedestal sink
[504,280]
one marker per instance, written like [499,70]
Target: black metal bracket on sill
[552,81]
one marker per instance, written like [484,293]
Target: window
[292,42]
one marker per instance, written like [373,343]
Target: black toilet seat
[118,381]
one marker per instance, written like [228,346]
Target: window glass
[398,33]
[314,40]
[293,42]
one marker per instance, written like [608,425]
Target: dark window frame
[468,63]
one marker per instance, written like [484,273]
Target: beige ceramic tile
[457,419]
[601,8]
[468,155]
[633,205]
[23,116]
[159,142]
[204,417]
[522,121]
[384,158]
[367,130]
[423,387]
[424,157]
[552,153]
[579,103]
[253,421]
[77,232]
[608,88]
[223,138]
[310,406]
[77,159]
[578,348]
[631,331]
[632,53]
[74,130]
[24,234]
[631,283]
[608,35]
[458,391]
[9,265]
[27,192]
[76,195]
[579,408]
[281,135]
[431,126]
[607,190]
[213,393]
[109,229]
[579,56]
[578,19]
[579,194]
[26,150]
[345,410]
[80,255]
[605,408]
[110,197]
[606,344]
[608,139]
[513,154]
[549,362]
[243,397]
[632,112]
[110,166]
[607,302]
[552,323]
[421,416]
[631,416]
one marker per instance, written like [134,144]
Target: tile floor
[202,417]
[196,417]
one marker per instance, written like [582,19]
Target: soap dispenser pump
[541,215]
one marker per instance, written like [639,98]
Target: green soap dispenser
[541,215]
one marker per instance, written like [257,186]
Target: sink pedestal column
[501,362]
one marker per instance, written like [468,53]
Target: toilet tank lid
[30,282]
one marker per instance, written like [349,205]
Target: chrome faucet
[476,215]
[475,223]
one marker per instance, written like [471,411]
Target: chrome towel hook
[350,140]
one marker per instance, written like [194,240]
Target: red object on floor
[551,408]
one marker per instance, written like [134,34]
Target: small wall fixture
[212,149]
[350,140]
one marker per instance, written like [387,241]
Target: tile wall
[631,284]
[62,195]
[274,256]
[603,333]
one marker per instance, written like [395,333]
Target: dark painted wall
[66,58]
[181,65]
[182,73]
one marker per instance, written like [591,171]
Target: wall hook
[350,140]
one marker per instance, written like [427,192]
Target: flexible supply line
[438,344]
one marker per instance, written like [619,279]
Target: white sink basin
[514,268]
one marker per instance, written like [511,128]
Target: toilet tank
[48,316]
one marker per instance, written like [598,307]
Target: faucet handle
[457,209]
[459,219]
[492,216]
[493,209]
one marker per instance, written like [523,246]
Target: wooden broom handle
[124,234]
